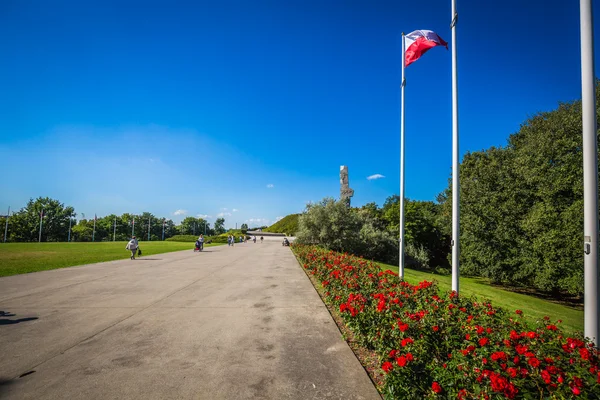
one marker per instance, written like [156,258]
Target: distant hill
[287,225]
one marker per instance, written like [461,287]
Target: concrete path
[227,323]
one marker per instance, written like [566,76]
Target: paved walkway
[228,323]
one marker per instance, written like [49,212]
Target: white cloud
[224,214]
[223,208]
[376,176]
[270,186]
[235,210]
[203,216]
[180,212]
[278,218]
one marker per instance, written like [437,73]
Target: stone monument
[345,191]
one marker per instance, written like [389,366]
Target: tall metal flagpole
[401,226]
[455,173]
[590,173]
[6,225]
[114,228]
[41,221]
[133,226]
[69,235]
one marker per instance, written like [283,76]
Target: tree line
[521,212]
[59,223]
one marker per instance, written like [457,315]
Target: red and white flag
[418,43]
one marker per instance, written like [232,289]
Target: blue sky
[247,109]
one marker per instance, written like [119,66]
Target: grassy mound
[287,225]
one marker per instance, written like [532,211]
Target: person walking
[132,246]
[201,242]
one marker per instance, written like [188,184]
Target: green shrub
[182,238]
[332,224]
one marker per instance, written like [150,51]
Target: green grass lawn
[22,258]
[533,308]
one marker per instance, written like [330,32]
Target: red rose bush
[448,346]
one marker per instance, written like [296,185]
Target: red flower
[575,390]
[584,353]
[512,372]
[381,305]
[483,341]
[532,335]
[468,336]
[401,361]
[392,353]
[551,327]
[387,367]
[534,362]
[436,387]
[498,382]
[409,357]
[546,377]
[499,355]
[521,349]
[436,328]
[407,341]
[402,326]
[519,312]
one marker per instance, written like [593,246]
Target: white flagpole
[401,223]
[6,225]
[590,173]
[114,228]
[455,173]
[41,221]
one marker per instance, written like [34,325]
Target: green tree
[220,226]
[522,205]
[25,223]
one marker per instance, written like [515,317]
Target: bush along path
[449,346]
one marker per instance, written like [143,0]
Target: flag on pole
[419,42]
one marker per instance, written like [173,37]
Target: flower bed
[449,346]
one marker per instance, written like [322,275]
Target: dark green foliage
[522,205]
[182,238]
[423,229]
[287,225]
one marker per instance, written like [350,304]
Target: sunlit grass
[533,308]
[21,258]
